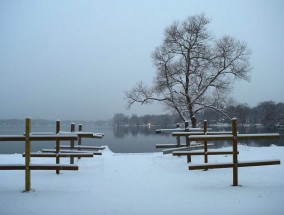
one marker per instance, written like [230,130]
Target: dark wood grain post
[57,147]
[178,137]
[186,128]
[235,152]
[27,158]
[79,138]
[205,125]
[72,143]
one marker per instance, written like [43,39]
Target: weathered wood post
[178,137]
[57,130]
[186,129]
[205,126]
[79,138]
[72,143]
[235,152]
[27,152]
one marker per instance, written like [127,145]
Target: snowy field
[149,183]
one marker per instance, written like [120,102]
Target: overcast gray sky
[74,59]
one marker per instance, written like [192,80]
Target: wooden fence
[56,136]
[188,151]
[178,143]
[186,132]
[28,138]
[234,137]
[73,150]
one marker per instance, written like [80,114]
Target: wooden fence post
[178,137]
[57,145]
[235,152]
[72,143]
[205,126]
[186,128]
[79,138]
[27,152]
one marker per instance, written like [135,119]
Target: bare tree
[194,71]
[268,114]
[241,111]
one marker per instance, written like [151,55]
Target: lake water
[122,139]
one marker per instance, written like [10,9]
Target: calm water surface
[122,139]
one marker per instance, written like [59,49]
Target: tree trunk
[192,116]
[193,121]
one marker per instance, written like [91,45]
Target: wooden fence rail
[95,150]
[28,137]
[73,150]
[234,137]
[184,132]
[192,132]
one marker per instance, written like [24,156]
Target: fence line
[57,136]
[234,137]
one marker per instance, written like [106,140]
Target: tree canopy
[194,70]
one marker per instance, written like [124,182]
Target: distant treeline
[121,119]
[268,113]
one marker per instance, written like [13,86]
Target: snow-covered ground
[149,183]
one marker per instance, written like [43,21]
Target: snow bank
[149,183]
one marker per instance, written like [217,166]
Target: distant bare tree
[120,119]
[268,113]
[241,111]
[194,71]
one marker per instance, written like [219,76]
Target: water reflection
[128,139]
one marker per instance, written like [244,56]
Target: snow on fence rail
[51,136]
[217,135]
[186,132]
[173,147]
[27,137]
[74,151]
[234,136]
[77,149]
